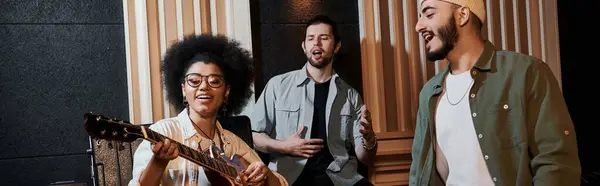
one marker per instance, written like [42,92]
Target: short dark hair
[323,19]
[235,62]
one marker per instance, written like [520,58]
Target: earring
[224,109]
[185,102]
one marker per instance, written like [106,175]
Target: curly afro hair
[235,62]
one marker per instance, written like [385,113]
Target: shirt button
[474,72]
[505,106]
[486,157]
[566,132]
[494,178]
[480,136]
[474,114]
[472,95]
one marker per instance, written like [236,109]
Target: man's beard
[448,34]
[326,61]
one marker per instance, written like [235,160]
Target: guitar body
[236,161]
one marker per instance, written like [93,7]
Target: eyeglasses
[213,80]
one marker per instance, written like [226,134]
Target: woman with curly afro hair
[205,77]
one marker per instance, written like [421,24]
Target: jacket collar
[483,63]
[485,60]
[302,78]
[189,130]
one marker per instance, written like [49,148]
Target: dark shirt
[314,170]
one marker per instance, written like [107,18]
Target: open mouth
[428,36]
[317,54]
[203,97]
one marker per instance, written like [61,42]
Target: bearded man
[313,125]
[492,117]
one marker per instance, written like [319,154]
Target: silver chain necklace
[461,98]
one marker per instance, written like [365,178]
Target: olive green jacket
[520,117]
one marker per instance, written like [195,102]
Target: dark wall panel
[51,75]
[59,60]
[279,53]
[300,11]
[348,64]
[45,170]
[61,11]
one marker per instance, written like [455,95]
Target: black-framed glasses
[213,80]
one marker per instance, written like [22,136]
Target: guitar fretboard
[195,156]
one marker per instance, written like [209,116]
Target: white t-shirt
[456,135]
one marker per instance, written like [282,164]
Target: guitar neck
[193,155]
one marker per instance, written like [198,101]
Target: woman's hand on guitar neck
[257,173]
[165,151]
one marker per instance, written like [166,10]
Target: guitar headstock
[101,127]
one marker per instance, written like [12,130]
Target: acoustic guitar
[222,170]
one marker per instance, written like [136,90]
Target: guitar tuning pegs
[102,132]
[98,143]
[121,146]
[114,133]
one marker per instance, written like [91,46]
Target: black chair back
[240,126]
